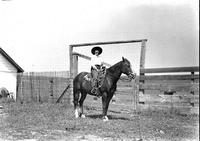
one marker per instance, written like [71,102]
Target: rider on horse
[96,65]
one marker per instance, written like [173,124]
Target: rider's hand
[94,67]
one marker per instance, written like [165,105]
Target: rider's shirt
[96,60]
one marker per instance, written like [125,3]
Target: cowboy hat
[96,48]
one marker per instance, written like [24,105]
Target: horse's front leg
[105,104]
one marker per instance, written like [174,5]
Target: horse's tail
[76,83]
[75,90]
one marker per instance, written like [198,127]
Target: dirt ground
[44,122]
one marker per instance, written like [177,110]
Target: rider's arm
[101,60]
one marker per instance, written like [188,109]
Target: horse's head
[126,68]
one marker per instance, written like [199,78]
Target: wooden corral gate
[73,57]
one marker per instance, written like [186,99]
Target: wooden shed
[8,73]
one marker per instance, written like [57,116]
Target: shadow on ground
[111,117]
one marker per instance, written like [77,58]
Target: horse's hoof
[105,118]
[82,116]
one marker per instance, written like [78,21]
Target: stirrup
[93,91]
[98,94]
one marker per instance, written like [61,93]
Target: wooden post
[70,61]
[61,96]
[31,86]
[71,75]
[192,81]
[70,100]
[135,95]
[142,62]
[143,53]
[51,90]
[75,65]
[192,92]
[18,88]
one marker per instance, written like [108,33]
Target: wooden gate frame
[73,57]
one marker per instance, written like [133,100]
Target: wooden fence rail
[169,77]
[108,43]
[169,70]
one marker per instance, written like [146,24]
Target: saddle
[100,77]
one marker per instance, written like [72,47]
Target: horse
[82,86]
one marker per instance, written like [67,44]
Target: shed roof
[19,69]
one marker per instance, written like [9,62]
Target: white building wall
[8,75]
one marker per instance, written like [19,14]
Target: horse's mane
[115,67]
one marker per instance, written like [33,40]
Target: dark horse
[83,86]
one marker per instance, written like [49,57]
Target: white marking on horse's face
[76,113]
[105,118]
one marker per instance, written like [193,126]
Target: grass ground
[46,121]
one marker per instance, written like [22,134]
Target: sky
[37,33]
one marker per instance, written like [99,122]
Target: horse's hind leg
[76,98]
[83,96]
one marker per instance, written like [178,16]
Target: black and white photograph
[99,70]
